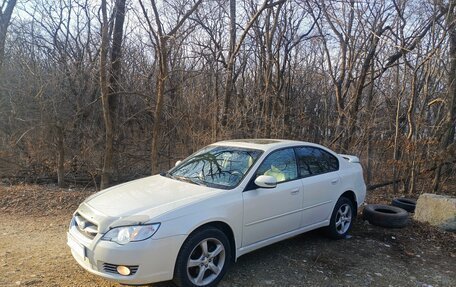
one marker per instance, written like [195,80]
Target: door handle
[334,181]
[294,191]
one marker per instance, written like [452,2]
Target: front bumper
[155,258]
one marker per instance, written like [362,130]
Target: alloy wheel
[206,261]
[343,218]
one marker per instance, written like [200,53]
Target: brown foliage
[367,78]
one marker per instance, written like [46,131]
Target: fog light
[123,270]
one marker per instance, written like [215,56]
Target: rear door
[319,172]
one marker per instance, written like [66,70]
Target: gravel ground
[33,251]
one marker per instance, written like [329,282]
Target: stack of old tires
[394,215]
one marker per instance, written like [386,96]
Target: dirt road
[33,252]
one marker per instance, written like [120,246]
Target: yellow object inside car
[277,173]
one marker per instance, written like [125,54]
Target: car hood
[141,200]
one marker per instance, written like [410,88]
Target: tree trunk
[396,144]
[215,93]
[116,58]
[61,156]
[450,118]
[369,121]
[227,94]
[411,107]
[107,163]
[161,80]
[5,18]
[230,65]
[115,73]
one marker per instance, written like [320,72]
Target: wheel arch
[225,228]
[220,225]
[350,194]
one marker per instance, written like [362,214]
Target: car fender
[189,218]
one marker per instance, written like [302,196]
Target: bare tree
[6,10]
[116,58]
[235,46]
[161,38]
[130,83]
[108,154]
[449,123]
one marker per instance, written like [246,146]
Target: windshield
[216,166]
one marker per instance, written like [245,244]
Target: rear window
[313,161]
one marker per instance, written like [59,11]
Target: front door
[273,211]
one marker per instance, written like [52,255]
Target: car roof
[261,144]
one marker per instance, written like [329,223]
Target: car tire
[341,218]
[385,215]
[405,203]
[203,258]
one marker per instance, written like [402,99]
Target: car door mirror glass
[266,181]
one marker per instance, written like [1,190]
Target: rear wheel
[203,258]
[341,218]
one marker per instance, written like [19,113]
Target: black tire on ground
[192,253]
[341,218]
[385,215]
[405,203]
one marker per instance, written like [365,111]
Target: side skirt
[257,245]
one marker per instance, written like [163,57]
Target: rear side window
[313,161]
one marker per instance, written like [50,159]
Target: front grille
[87,228]
[112,268]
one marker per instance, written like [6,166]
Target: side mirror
[266,181]
[178,163]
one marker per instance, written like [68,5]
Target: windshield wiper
[186,179]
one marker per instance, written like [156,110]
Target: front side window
[280,164]
[313,161]
[216,166]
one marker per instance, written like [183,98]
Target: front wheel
[203,259]
[341,218]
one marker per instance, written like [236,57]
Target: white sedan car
[229,198]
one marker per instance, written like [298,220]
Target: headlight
[125,234]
